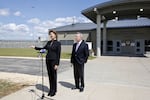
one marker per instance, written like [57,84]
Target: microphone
[42,51]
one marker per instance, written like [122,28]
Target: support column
[104,38]
[98,35]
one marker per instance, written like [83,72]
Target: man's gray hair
[79,33]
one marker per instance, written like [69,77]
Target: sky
[30,19]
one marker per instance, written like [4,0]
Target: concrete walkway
[106,78]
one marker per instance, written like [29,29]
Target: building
[120,27]
[119,36]
[131,43]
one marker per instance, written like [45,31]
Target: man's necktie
[77,46]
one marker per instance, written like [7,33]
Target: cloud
[4,12]
[84,20]
[13,27]
[35,27]
[58,21]
[40,29]
[47,23]
[7,12]
[34,21]
[17,13]
[74,19]
[9,27]
[13,31]
[43,26]
[65,20]
[22,28]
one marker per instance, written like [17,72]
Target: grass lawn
[27,52]
[7,87]
[21,52]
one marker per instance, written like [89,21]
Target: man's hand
[56,67]
[71,65]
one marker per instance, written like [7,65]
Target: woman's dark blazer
[53,50]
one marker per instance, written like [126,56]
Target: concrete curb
[27,57]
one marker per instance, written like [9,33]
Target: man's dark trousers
[79,74]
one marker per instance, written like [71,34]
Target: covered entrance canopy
[118,10]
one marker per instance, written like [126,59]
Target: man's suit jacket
[81,55]
[53,50]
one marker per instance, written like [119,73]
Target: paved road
[106,78]
[28,66]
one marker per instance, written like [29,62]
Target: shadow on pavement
[66,84]
[45,99]
[39,87]
[39,97]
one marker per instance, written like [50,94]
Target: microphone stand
[42,51]
[43,95]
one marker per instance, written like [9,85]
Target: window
[66,42]
[109,48]
[110,45]
[118,49]
[147,45]
[118,44]
[138,44]
[109,42]
[137,50]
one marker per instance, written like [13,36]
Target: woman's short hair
[53,32]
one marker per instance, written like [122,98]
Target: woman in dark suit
[53,48]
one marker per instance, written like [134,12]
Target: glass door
[117,46]
[139,47]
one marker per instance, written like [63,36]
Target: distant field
[24,52]
[27,52]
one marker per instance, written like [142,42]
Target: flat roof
[76,27]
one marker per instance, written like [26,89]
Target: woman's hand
[32,46]
[55,67]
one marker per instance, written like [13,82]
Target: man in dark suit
[79,57]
